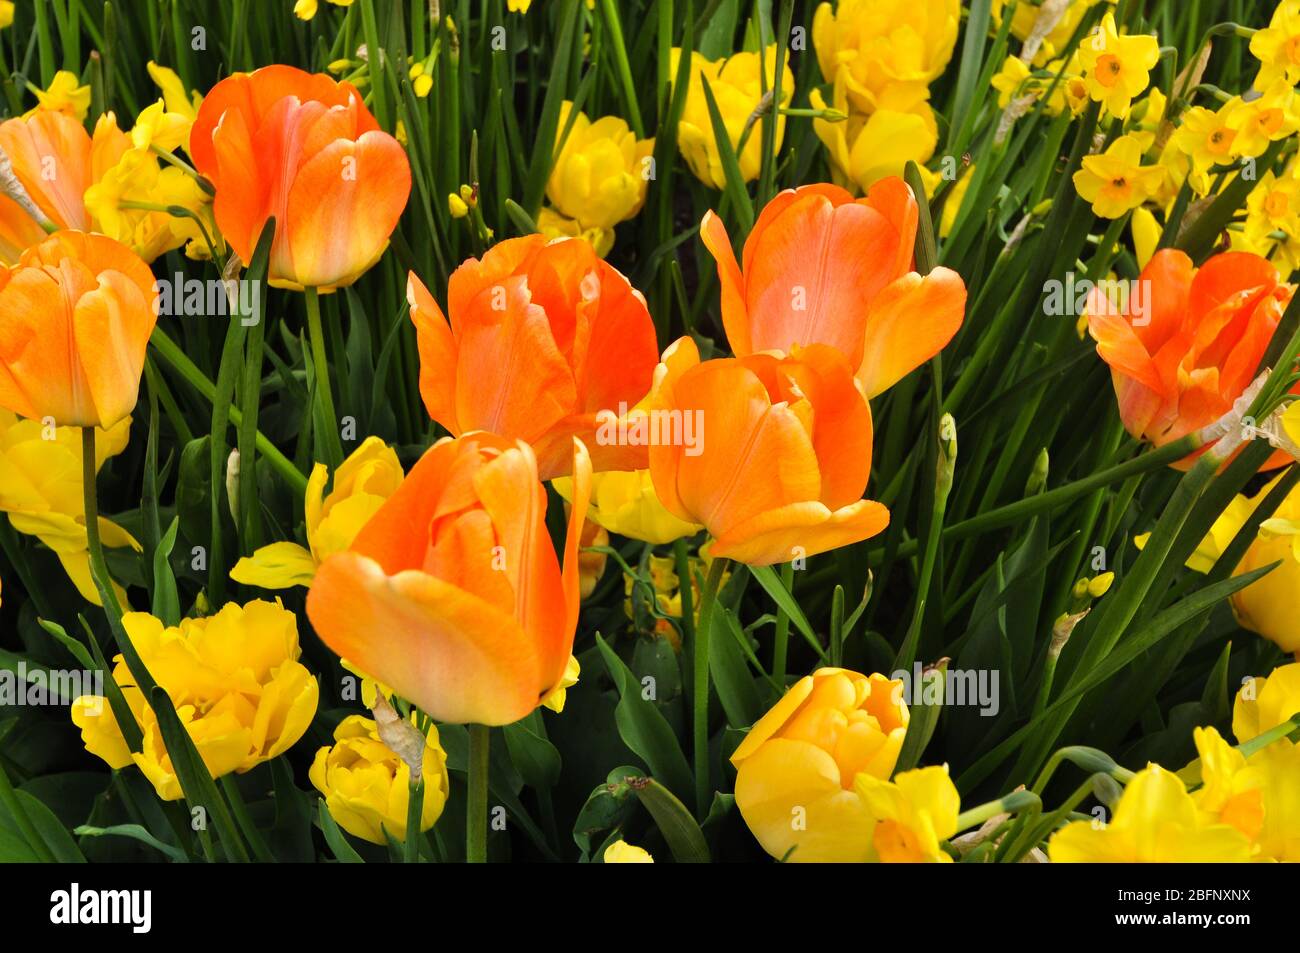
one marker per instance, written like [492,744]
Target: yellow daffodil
[1263,704]
[368,477]
[621,852]
[1267,118]
[601,171]
[1273,207]
[1016,79]
[173,92]
[235,679]
[1117,181]
[367,786]
[1277,46]
[738,89]
[6,13]
[136,180]
[41,490]
[913,813]
[157,127]
[1230,791]
[1117,68]
[796,770]
[1156,821]
[518,6]
[866,148]
[63,95]
[1208,136]
[305,10]
[624,502]
[874,45]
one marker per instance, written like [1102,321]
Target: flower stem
[700,660]
[414,811]
[476,806]
[781,644]
[321,369]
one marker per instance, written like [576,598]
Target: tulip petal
[790,795]
[455,656]
[438,352]
[800,529]
[503,336]
[751,456]
[910,321]
[814,275]
[344,203]
[735,318]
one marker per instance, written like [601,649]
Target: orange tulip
[451,595]
[546,342]
[76,313]
[1186,344]
[781,456]
[55,161]
[822,268]
[301,147]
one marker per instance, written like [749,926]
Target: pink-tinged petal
[451,653]
[344,203]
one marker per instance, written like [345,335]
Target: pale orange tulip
[779,456]
[824,268]
[451,594]
[546,342]
[76,313]
[820,267]
[303,148]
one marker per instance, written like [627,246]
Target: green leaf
[166,601]
[684,837]
[135,832]
[768,579]
[343,851]
[643,728]
[537,760]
